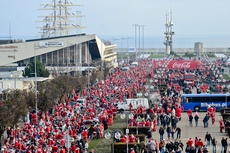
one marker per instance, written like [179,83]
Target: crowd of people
[62,130]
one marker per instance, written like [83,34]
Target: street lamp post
[121,51]
[139,38]
[102,60]
[35,74]
[35,80]
[89,42]
[128,46]
[135,41]
[88,66]
[143,37]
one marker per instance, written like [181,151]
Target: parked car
[80,102]
[88,123]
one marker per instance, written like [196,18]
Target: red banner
[184,64]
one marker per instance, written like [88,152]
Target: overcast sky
[115,18]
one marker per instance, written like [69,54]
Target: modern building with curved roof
[63,51]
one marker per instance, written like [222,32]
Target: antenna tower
[60,21]
[168,33]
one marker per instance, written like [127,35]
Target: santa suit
[221,123]
[85,135]
[190,142]
[178,112]
[201,143]
[189,112]
[132,139]
[154,124]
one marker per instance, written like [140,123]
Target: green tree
[41,70]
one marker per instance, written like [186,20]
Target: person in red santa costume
[221,123]
[189,112]
[190,142]
[178,112]
[132,138]
[155,124]
[210,110]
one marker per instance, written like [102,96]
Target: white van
[134,63]
[125,69]
[123,106]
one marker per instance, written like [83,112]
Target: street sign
[127,131]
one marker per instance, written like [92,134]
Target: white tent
[220,55]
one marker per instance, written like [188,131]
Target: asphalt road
[192,132]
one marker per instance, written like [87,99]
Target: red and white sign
[184,64]
[158,63]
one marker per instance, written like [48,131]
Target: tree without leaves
[30,100]
[80,83]
[64,85]
[96,76]
[47,95]
[12,109]
[107,68]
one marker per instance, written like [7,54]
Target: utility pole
[143,35]
[135,41]
[128,47]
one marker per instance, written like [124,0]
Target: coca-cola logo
[181,65]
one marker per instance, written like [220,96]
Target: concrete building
[67,54]
[57,51]
[198,48]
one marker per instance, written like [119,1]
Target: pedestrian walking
[190,119]
[224,144]
[98,132]
[214,142]
[196,144]
[178,130]
[205,121]
[161,132]
[181,145]
[196,119]
[151,146]
[208,139]
[172,132]
[168,130]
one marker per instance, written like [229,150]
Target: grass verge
[226,76]
[103,145]
[93,144]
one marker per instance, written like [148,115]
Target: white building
[57,51]
[69,53]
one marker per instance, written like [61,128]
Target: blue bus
[200,102]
